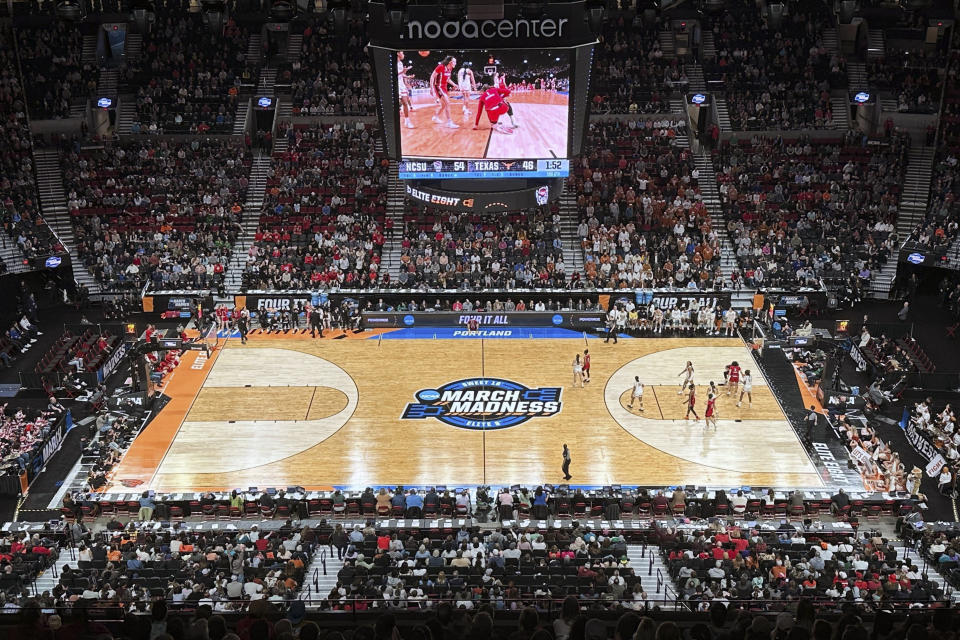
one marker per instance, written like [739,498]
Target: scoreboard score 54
[434,169]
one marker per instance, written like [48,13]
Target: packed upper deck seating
[797,210]
[643,222]
[188,79]
[775,76]
[323,221]
[332,75]
[158,211]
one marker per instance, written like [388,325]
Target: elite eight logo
[484,403]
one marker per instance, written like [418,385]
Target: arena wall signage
[833,468]
[857,356]
[484,403]
[545,29]
[558,25]
[917,440]
[104,372]
[576,320]
[671,299]
[536,195]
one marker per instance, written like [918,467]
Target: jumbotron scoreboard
[493,100]
[441,169]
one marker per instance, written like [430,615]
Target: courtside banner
[578,320]
[527,198]
[681,299]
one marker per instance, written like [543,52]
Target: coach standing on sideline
[566,463]
[611,325]
[243,325]
[316,322]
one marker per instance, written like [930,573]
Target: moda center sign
[506,28]
[555,24]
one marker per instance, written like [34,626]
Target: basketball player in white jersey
[687,372]
[403,90]
[636,393]
[467,83]
[747,389]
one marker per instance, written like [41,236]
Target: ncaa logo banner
[484,403]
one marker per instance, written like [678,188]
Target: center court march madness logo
[484,403]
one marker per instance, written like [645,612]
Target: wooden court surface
[542,116]
[287,410]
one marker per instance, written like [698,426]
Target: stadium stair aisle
[711,199]
[12,256]
[396,205]
[319,583]
[913,209]
[926,567]
[53,205]
[250,221]
[569,219]
[650,566]
[50,578]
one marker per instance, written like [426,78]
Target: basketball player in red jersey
[586,365]
[691,401]
[733,379]
[492,99]
[710,415]
[439,85]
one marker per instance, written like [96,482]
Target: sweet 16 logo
[484,403]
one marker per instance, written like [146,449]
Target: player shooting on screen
[439,86]
[492,99]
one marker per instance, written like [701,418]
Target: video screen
[481,104]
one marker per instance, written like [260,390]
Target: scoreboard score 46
[439,169]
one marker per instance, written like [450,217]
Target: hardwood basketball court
[287,410]
[542,131]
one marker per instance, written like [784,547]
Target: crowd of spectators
[188,78]
[914,78]
[775,76]
[504,569]
[937,231]
[23,431]
[459,250]
[941,224]
[938,422]
[55,75]
[332,75]
[730,564]
[633,75]
[797,210]
[22,557]
[881,468]
[165,212]
[19,206]
[643,222]
[323,221]
[802,620]
[227,570]
[114,434]
[942,548]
